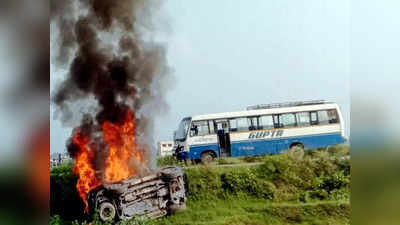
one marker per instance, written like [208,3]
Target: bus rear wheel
[296,151]
[207,157]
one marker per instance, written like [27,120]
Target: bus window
[199,128]
[211,126]
[277,123]
[242,124]
[314,118]
[288,120]
[323,117]
[303,119]
[332,114]
[265,122]
[233,125]
[253,124]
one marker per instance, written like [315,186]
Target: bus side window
[323,117]
[314,118]
[265,122]
[303,119]
[211,126]
[200,128]
[332,114]
[242,124]
[233,125]
[287,120]
[253,123]
[277,123]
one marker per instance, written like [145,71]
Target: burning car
[152,196]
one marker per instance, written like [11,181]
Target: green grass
[241,211]
[258,211]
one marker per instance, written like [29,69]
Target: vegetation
[168,160]
[313,188]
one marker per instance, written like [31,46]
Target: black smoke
[103,44]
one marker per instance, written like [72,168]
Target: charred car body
[152,196]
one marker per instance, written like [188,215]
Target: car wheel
[107,211]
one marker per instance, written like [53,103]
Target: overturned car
[152,196]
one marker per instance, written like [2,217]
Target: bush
[168,160]
[339,150]
[204,182]
[64,198]
[333,186]
[245,181]
[344,166]
[223,161]
[250,159]
[332,182]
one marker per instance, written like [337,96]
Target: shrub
[344,165]
[339,150]
[332,186]
[56,220]
[332,182]
[245,181]
[223,161]
[64,199]
[168,160]
[204,182]
[250,159]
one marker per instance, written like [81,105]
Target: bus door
[224,140]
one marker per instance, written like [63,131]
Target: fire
[122,147]
[123,153]
[84,167]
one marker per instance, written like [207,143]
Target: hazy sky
[227,56]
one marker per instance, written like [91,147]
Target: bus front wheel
[207,157]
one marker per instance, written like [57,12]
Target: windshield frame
[182,131]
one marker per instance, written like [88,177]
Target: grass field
[259,211]
[313,188]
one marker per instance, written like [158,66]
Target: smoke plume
[112,64]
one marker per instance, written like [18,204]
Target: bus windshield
[182,130]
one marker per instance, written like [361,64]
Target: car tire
[107,211]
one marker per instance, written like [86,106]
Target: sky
[225,57]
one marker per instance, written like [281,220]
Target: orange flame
[121,142]
[122,154]
[83,167]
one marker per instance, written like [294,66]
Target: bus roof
[266,111]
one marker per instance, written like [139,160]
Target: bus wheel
[207,157]
[296,151]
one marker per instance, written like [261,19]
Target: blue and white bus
[260,130]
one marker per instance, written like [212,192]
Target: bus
[259,130]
